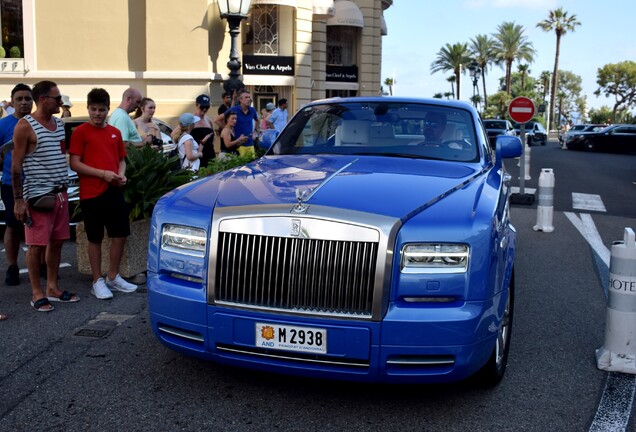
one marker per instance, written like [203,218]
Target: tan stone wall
[171,50]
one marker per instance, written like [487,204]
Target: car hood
[396,187]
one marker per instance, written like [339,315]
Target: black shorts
[7,198]
[108,210]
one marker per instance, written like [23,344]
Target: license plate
[291,338]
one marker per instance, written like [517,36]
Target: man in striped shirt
[41,202]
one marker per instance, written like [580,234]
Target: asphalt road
[95,365]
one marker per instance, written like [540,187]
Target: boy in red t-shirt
[97,155]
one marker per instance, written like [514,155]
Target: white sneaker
[120,284]
[100,290]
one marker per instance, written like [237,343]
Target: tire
[493,371]
[589,146]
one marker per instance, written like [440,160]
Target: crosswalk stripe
[588,202]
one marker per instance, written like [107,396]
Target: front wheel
[588,145]
[493,371]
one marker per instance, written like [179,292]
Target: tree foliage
[451,58]
[482,48]
[560,22]
[512,45]
[618,80]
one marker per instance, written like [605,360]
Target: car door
[625,137]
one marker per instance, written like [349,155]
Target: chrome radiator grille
[296,274]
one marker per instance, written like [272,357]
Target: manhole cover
[92,333]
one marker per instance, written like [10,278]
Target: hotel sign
[342,73]
[268,65]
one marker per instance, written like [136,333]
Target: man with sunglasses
[41,202]
[434,127]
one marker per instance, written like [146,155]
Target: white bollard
[619,349]
[545,205]
[527,165]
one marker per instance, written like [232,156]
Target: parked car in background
[580,128]
[372,242]
[534,131]
[496,127]
[619,138]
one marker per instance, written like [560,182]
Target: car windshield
[413,130]
[494,124]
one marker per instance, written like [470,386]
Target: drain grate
[94,333]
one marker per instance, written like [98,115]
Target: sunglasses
[58,98]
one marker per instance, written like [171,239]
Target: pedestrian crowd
[34,160]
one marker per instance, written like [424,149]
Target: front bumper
[410,345]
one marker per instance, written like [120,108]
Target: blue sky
[418,29]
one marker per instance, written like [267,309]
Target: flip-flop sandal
[39,305]
[66,297]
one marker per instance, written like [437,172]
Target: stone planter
[135,258]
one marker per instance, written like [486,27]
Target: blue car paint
[464,202]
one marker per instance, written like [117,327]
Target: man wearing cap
[246,122]
[120,118]
[278,118]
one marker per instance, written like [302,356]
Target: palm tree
[389,82]
[482,50]
[451,80]
[559,21]
[451,58]
[524,70]
[544,78]
[511,45]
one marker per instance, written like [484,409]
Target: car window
[495,124]
[413,130]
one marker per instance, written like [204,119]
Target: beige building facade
[174,50]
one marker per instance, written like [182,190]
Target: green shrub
[219,165]
[150,175]
[3,52]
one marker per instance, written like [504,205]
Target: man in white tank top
[41,202]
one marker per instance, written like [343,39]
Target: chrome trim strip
[182,333]
[414,362]
[293,311]
[311,228]
[284,357]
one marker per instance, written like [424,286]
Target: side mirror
[507,147]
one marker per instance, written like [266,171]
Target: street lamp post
[234,11]
[475,73]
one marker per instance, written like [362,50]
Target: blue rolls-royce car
[372,242]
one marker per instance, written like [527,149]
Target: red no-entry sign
[521,109]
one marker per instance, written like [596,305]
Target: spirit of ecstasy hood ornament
[302,195]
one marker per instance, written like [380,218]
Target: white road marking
[615,406]
[24,271]
[588,230]
[590,202]
[515,189]
[616,403]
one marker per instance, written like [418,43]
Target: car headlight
[184,240]
[434,258]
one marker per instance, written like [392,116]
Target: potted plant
[150,175]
